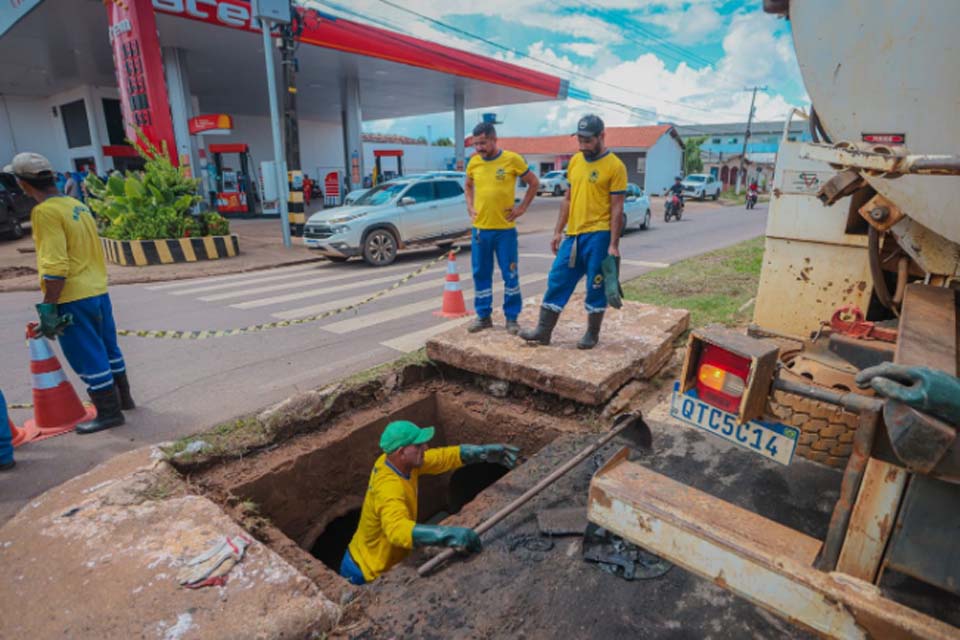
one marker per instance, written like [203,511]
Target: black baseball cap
[589,125]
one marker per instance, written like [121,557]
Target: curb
[169,251]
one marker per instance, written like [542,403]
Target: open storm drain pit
[311,489]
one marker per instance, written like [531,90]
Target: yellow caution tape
[224,333]
[20,405]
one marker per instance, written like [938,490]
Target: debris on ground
[212,566]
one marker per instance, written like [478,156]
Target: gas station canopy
[64,43]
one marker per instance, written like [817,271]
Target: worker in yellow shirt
[490,190]
[588,230]
[388,527]
[73,278]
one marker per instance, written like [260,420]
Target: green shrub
[153,205]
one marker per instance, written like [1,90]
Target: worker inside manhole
[387,529]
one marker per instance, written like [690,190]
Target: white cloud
[584,49]
[691,25]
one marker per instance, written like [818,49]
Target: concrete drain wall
[311,489]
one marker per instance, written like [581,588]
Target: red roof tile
[617,138]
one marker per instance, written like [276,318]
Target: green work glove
[610,267]
[435,535]
[52,323]
[502,454]
[927,390]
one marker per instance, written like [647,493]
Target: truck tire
[558,191]
[826,431]
[380,247]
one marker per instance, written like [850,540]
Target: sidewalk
[261,247]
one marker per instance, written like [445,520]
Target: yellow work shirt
[495,188]
[591,185]
[384,536]
[68,248]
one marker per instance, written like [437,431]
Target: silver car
[554,183]
[415,210]
[636,209]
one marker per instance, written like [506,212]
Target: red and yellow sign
[214,123]
[139,68]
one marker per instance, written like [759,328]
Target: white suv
[701,186]
[424,209]
[554,182]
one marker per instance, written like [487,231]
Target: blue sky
[683,61]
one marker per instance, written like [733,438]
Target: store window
[114,117]
[75,124]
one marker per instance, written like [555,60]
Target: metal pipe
[627,421]
[278,155]
[849,488]
[853,402]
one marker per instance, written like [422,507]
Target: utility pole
[291,127]
[741,178]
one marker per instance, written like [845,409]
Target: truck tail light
[722,377]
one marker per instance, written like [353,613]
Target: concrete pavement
[185,386]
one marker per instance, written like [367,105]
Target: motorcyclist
[677,189]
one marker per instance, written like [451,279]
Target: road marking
[632,263]
[291,282]
[292,314]
[315,293]
[362,322]
[288,277]
[413,341]
[249,274]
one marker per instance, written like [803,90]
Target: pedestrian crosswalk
[402,319]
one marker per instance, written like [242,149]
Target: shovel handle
[625,421]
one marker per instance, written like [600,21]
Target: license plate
[769,439]
[311,242]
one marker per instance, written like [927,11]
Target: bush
[152,207]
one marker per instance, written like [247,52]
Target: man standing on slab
[491,194]
[592,215]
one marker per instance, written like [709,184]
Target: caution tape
[224,333]
[20,405]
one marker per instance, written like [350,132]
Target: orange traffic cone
[56,407]
[453,304]
[22,436]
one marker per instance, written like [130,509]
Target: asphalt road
[185,386]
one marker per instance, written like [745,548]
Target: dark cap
[589,125]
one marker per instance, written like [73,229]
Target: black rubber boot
[479,324]
[109,414]
[122,384]
[592,336]
[513,327]
[544,329]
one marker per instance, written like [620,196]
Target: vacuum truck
[861,268]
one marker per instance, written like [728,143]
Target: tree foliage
[692,161]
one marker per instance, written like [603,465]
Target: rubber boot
[513,327]
[479,324]
[592,336]
[544,329]
[123,388]
[109,414]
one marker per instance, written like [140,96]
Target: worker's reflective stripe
[48,380]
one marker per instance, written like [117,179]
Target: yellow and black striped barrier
[295,207]
[141,253]
[224,333]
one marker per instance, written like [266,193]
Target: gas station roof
[62,44]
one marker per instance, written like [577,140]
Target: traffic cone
[56,407]
[22,436]
[453,304]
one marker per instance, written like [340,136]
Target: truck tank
[887,68]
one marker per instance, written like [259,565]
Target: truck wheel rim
[381,247]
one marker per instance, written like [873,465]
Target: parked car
[353,196]
[636,208]
[15,207]
[701,186]
[414,210]
[554,183]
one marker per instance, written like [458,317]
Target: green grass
[712,286]
[731,197]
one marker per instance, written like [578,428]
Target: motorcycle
[673,207]
[751,198]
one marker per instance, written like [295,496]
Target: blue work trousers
[90,343]
[485,245]
[591,249]
[6,436]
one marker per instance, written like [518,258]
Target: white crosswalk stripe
[396,313]
[250,274]
[413,341]
[435,284]
[310,292]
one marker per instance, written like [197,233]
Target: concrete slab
[99,556]
[635,342]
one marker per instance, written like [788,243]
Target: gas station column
[178,88]
[459,135]
[352,140]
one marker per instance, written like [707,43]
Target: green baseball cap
[402,433]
